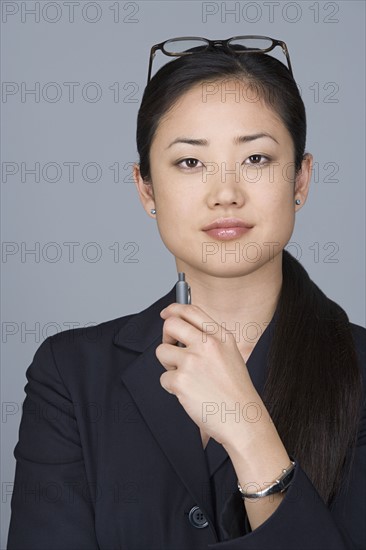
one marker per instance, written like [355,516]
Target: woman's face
[223,177]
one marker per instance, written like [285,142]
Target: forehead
[227,105]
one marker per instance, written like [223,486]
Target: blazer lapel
[176,433]
[173,429]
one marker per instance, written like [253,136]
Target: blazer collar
[143,328]
[175,432]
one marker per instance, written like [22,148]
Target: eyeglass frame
[225,43]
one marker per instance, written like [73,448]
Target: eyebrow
[237,140]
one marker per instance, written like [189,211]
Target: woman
[251,434]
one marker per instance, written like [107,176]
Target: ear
[145,190]
[302,181]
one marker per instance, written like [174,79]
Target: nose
[226,186]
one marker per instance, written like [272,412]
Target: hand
[209,376]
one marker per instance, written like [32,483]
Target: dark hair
[266,77]
[313,387]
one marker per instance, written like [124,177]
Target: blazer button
[197,518]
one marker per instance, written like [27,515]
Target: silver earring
[153,211]
[297,201]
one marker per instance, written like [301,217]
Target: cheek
[174,208]
[272,199]
[176,196]
[174,214]
[173,233]
[277,211]
[283,212]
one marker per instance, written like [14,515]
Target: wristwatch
[278,486]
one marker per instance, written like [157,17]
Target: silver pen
[183,295]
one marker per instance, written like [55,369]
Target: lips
[225,229]
[223,223]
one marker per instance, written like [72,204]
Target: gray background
[107,43]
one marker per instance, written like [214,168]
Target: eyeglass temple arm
[152,55]
[285,51]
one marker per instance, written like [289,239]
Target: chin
[227,269]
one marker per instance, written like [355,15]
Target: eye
[257,157]
[190,163]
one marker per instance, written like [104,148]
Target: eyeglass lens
[179,46]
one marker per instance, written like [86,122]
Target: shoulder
[90,335]
[86,358]
[359,339]
[95,349]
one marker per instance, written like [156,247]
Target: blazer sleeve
[302,520]
[51,505]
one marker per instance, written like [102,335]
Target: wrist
[260,458]
[254,430]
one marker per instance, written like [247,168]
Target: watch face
[278,486]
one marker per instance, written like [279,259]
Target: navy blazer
[107,459]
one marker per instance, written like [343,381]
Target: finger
[176,329]
[166,382]
[167,336]
[194,315]
[168,355]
